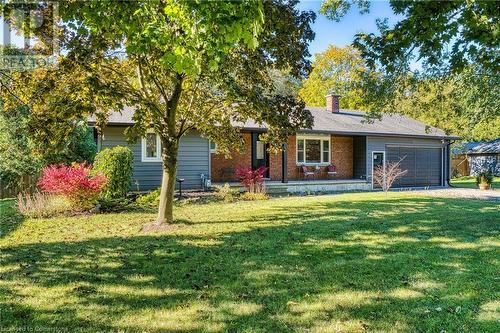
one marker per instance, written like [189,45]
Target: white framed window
[313,150]
[151,147]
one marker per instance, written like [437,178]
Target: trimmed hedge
[116,164]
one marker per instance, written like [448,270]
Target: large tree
[182,65]
[338,70]
[21,153]
[456,44]
[446,34]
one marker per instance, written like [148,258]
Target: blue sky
[342,33]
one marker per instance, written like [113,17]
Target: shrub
[252,180]
[151,199]
[485,177]
[40,205]
[455,173]
[116,164]
[226,193]
[117,205]
[74,182]
[252,196]
[385,175]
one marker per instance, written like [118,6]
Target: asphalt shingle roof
[354,122]
[348,122]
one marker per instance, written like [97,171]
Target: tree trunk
[166,207]
[170,146]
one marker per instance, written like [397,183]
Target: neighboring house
[339,137]
[473,157]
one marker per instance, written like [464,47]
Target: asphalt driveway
[466,193]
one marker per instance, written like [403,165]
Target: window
[213,147]
[313,150]
[300,151]
[151,147]
[260,150]
[326,151]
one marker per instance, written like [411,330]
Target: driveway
[467,193]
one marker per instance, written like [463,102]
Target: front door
[260,156]
[377,160]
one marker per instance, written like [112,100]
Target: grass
[470,182]
[338,263]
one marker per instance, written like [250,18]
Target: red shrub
[75,182]
[252,180]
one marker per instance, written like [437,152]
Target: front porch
[307,186]
[312,159]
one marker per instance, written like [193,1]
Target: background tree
[338,69]
[183,66]
[447,34]
[457,46]
[21,152]
[16,156]
[21,155]
[460,104]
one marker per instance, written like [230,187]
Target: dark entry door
[260,156]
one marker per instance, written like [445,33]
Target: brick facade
[223,168]
[275,162]
[341,157]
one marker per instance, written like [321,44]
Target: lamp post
[180,180]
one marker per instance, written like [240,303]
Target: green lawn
[339,263]
[470,182]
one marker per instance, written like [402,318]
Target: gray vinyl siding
[378,143]
[193,160]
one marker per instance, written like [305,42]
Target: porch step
[318,187]
[314,186]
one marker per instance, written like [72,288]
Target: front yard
[338,263]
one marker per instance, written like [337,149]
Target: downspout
[99,140]
[209,176]
[448,158]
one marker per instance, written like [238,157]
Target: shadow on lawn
[10,218]
[358,265]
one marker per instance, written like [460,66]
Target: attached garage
[424,158]
[423,164]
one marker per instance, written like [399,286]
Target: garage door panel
[423,165]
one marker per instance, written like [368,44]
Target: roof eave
[112,123]
[261,129]
[442,137]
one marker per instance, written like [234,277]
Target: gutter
[346,133]
[448,157]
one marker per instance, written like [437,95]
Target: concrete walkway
[467,193]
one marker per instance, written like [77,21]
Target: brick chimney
[332,103]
